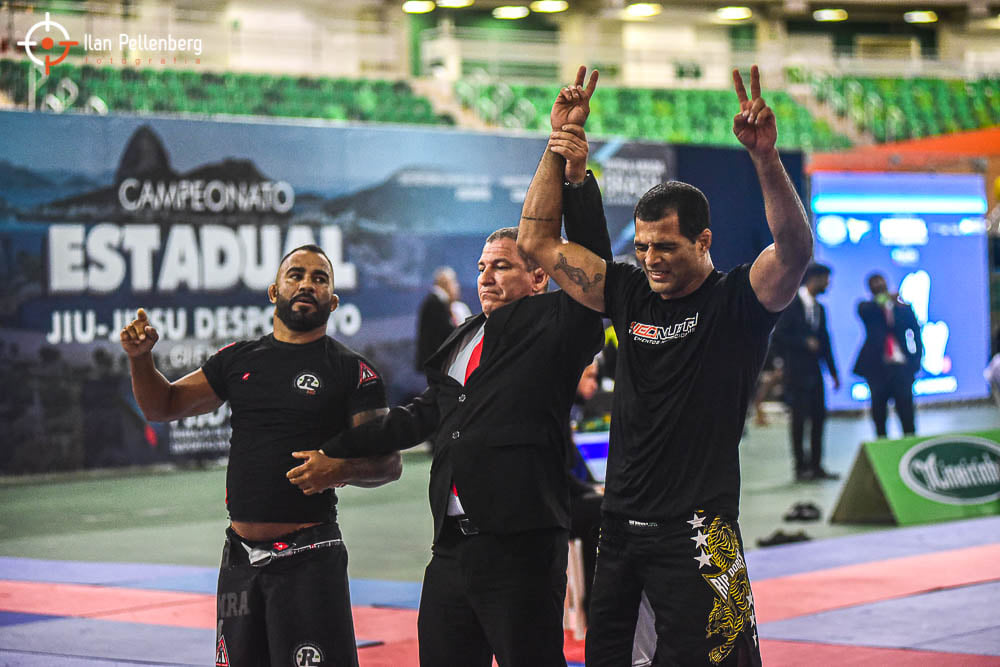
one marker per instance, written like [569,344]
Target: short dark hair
[511,233]
[311,247]
[872,277]
[816,269]
[687,201]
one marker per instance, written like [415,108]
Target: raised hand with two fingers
[754,125]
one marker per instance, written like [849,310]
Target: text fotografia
[143,43]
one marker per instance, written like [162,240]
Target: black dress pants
[807,403]
[494,595]
[897,384]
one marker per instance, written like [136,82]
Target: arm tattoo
[528,217]
[577,275]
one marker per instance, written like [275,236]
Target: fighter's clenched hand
[139,336]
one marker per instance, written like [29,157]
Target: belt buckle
[466,527]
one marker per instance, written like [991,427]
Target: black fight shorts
[293,607]
[695,576]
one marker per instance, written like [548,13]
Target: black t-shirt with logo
[686,371]
[285,398]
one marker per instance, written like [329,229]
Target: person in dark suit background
[890,355]
[434,320]
[497,409]
[804,340]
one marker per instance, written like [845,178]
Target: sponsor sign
[920,480]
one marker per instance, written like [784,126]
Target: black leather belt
[464,524]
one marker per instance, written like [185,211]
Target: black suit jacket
[802,365]
[500,438]
[871,363]
[433,327]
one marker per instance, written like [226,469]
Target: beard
[302,320]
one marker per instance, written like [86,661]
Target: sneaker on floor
[802,512]
[781,537]
[819,473]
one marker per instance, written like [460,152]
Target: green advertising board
[922,480]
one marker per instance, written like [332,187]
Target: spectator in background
[436,319]
[802,335]
[890,356]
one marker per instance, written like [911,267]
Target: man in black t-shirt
[283,595]
[691,341]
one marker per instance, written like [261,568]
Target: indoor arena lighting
[830,15]
[920,17]
[510,12]
[549,6]
[454,4]
[733,13]
[643,10]
[418,6]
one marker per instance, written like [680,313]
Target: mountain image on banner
[145,160]
[421,200]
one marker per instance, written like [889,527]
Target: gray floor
[178,516]
[769,489]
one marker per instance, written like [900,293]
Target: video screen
[926,234]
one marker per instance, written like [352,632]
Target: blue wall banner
[188,218]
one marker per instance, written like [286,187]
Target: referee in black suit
[497,408]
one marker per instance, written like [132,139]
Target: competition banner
[188,218]
[923,480]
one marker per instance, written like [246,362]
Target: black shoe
[819,473]
[803,475]
[802,512]
[781,537]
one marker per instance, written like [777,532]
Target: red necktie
[477,351]
[890,337]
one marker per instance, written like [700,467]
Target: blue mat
[788,559]
[76,572]
[110,641]
[17,617]
[31,659]
[956,620]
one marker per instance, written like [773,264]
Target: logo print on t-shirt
[308,383]
[307,655]
[365,374]
[654,335]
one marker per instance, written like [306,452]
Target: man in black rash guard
[283,595]
[499,495]
[691,343]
